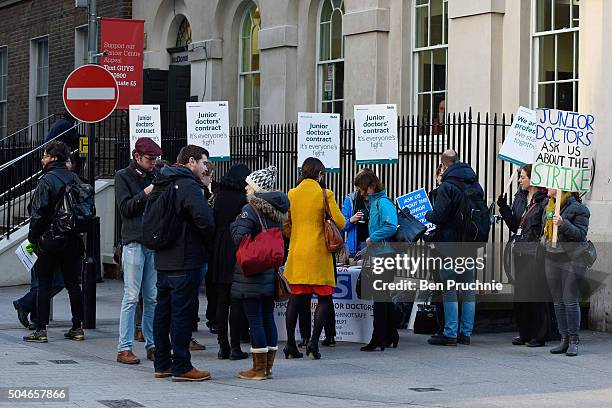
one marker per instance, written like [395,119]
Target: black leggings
[297,307]
[229,310]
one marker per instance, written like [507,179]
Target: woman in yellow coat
[310,266]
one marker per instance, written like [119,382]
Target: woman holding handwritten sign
[562,272]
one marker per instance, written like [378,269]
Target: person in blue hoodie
[457,177]
[382,225]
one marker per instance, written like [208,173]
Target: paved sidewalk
[489,373]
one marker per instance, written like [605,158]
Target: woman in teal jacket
[382,226]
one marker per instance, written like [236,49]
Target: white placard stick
[510,182]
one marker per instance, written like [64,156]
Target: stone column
[595,98]
[206,58]
[475,44]
[366,29]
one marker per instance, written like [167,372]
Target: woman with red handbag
[257,229]
[310,265]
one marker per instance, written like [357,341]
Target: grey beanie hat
[263,180]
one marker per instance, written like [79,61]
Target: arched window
[330,57]
[183,35]
[249,67]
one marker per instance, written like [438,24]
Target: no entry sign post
[90,95]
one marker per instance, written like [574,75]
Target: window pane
[339,80]
[576,16]
[256,86]
[419,2]
[421,26]
[247,117]
[424,108]
[424,68]
[326,107]
[576,59]
[255,49]
[247,89]
[565,56]
[437,13]
[324,42]
[256,117]
[338,107]
[439,104]
[439,83]
[565,96]
[326,11]
[543,15]
[246,52]
[336,35]
[327,82]
[562,14]
[546,96]
[547,58]
[445,22]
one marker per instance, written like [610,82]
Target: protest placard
[521,138]
[27,260]
[208,127]
[376,134]
[145,121]
[417,203]
[319,136]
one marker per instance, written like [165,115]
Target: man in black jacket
[132,187]
[178,268]
[456,178]
[55,251]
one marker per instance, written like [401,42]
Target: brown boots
[263,359]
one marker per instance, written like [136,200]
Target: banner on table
[208,127]
[145,121]
[376,133]
[123,40]
[520,141]
[319,136]
[563,151]
[353,315]
[417,203]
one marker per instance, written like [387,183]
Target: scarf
[550,211]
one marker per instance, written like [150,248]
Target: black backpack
[473,220]
[161,224]
[76,208]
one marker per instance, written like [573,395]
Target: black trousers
[69,261]
[532,320]
[385,323]
[211,297]
[230,311]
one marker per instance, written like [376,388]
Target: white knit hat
[263,180]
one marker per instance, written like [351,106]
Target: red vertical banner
[123,40]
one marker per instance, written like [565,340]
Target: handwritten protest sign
[208,127]
[319,136]
[563,150]
[145,121]
[376,134]
[521,138]
[417,203]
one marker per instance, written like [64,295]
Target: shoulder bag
[333,238]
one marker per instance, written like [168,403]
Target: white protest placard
[208,127]
[145,121]
[319,136]
[28,260]
[520,141]
[376,133]
[563,150]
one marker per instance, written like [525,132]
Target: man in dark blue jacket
[456,178]
[178,268]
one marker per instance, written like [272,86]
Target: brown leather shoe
[195,346]
[163,374]
[127,357]
[151,354]
[192,375]
[139,336]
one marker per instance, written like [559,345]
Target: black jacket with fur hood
[273,208]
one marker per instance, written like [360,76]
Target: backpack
[161,224]
[473,220]
[76,208]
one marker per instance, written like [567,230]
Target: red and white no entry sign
[90,93]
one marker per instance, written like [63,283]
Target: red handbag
[263,252]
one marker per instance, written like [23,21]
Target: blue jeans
[28,301]
[451,306]
[176,295]
[139,274]
[260,314]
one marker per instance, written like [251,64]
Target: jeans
[202,276]
[260,314]
[451,306]
[139,274]
[28,301]
[562,277]
[176,294]
[69,261]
